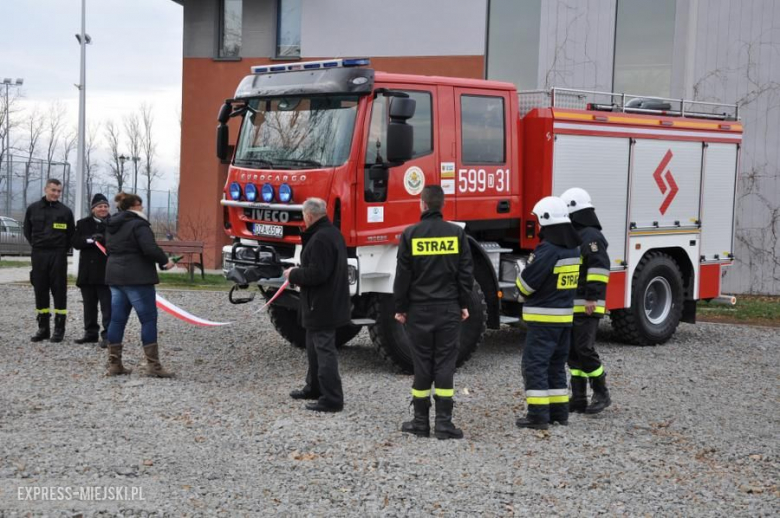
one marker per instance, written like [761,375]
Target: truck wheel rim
[658,300]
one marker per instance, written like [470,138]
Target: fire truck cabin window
[421,122]
[482,129]
[230,28]
[297,132]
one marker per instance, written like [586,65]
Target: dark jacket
[434,264]
[549,283]
[132,251]
[92,261]
[594,272]
[49,224]
[322,278]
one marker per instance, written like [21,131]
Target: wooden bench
[186,249]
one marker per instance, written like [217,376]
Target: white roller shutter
[717,218]
[600,166]
[666,184]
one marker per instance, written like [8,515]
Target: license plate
[261,229]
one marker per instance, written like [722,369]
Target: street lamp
[122,159]
[135,160]
[8,84]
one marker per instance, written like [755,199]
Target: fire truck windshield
[297,132]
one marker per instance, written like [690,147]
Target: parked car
[12,241]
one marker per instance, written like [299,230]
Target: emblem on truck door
[665,181]
[414,180]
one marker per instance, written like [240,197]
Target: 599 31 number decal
[479,180]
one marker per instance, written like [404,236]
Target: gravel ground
[693,429]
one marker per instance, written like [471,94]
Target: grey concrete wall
[737,59]
[397,28]
[576,44]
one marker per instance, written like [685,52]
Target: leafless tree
[116,170]
[133,130]
[148,152]
[91,168]
[55,121]
[69,141]
[12,110]
[33,128]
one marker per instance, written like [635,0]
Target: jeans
[123,300]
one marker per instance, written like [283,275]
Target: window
[644,39]
[482,129]
[421,122]
[513,42]
[230,28]
[288,29]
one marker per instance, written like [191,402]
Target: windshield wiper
[301,161]
[265,164]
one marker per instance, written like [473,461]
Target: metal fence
[27,179]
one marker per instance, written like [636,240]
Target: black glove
[98,238]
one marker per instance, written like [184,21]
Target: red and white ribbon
[172,309]
[276,295]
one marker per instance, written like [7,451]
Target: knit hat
[98,199]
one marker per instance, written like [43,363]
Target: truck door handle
[503,207]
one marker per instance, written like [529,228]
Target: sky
[135,57]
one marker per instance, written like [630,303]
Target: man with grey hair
[324,305]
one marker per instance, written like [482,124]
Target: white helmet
[551,211]
[577,199]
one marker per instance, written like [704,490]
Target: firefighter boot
[59,328]
[153,367]
[579,394]
[115,367]
[421,424]
[600,399]
[533,422]
[444,429]
[44,332]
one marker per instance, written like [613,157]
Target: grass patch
[181,281]
[14,264]
[750,309]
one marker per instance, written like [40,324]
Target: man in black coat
[49,228]
[324,305]
[92,271]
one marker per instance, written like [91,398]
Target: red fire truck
[661,172]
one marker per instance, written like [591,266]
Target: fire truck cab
[661,173]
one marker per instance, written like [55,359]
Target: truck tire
[393,343]
[285,321]
[656,302]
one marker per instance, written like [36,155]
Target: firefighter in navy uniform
[548,284]
[433,283]
[49,228]
[589,306]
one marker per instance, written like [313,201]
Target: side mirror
[400,135]
[223,137]
[224,113]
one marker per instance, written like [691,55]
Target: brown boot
[115,367]
[153,367]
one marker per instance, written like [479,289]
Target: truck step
[509,320]
[362,321]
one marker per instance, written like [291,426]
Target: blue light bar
[312,65]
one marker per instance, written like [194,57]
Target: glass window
[513,42]
[482,129]
[644,39]
[297,132]
[230,29]
[421,122]
[288,29]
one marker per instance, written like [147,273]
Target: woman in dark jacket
[92,271]
[131,274]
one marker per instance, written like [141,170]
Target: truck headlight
[250,191]
[267,192]
[285,193]
[235,191]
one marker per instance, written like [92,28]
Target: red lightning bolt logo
[665,181]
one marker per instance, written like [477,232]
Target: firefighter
[548,284]
[49,228]
[589,306]
[433,282]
